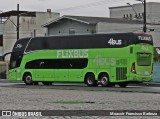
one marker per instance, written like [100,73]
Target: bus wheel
[90,80]
[47,83]
[28,79]
[123,84]
[104,80]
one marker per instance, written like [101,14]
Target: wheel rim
[89,80]
[104,80]
[28,79]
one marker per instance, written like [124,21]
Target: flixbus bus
[105,59]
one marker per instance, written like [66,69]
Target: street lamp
[132,8]
[144,15]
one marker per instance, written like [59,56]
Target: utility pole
[144,15]
[17,21]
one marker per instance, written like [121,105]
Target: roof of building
[93,20]
[15,13]
[126,6]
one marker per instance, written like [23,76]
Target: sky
[99,8]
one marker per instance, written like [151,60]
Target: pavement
[151,84]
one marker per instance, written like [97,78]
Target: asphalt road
[81,86]
[71,96]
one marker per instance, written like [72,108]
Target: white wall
[118,28]
[156,38]
[63,28]
[152,11]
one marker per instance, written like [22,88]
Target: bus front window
[15,60]
[12,64]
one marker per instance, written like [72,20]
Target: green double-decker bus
[97,59]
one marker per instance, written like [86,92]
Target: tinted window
[78,63]
[15,61]
[81,41]
[17,52]
[144,59]
[20,45]
[57,64]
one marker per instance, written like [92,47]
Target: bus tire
[104,80]
[123,85]
[27,78]
[90,80]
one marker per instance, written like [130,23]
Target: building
[135,12]
[29,26]
[69,25]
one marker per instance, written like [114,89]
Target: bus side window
[41,64]
[78,63]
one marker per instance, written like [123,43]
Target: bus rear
[142,58]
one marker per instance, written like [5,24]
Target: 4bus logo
[19,46]
[114,42]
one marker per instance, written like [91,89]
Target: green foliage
[70,102]
[156,55]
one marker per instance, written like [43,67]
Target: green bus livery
[105,59]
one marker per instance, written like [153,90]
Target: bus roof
[112,40]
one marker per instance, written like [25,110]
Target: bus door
[13,74]
[15,71]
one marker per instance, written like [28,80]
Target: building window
[127,16]
[71,31]
[1,40]
[124,16]
[130,16]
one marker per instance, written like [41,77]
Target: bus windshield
[17,52]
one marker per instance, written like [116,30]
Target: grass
[71,102]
